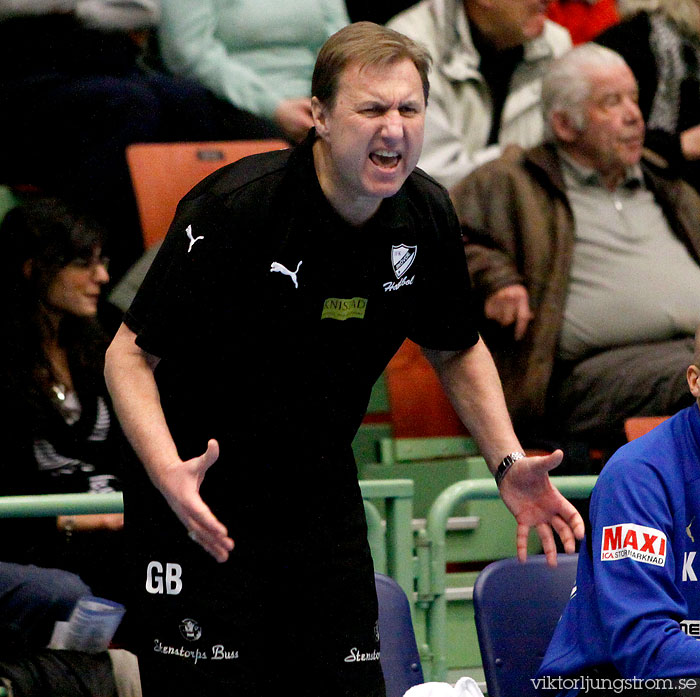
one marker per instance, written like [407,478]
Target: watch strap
[506,463]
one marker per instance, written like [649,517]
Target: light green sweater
[254,53]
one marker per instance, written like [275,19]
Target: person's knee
[72,587]
[55,589]
[113,110]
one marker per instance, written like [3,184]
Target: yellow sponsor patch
[344,308]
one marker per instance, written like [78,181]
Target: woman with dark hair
[59,433]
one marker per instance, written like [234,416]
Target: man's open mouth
[386,159]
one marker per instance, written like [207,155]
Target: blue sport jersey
[635,608]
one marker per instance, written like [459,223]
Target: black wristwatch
[506,463]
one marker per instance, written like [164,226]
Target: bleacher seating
[516,608]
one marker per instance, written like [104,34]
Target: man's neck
[353,209]
[497,67]
[483,32]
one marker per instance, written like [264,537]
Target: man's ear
[27,268]
[318,114]
[693,377]
[563,127]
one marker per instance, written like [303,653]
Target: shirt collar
[577,174]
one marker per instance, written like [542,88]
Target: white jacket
[458,119]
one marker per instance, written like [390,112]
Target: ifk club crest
[402,256]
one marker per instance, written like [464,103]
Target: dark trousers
[32,599]
[591,399]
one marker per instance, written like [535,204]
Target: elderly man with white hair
[586,259]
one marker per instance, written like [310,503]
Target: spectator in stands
[32,600]
[257,55]
[584,19]
[58,432]
[75,92]
[381,13]
[660,40]
[635,608]
[585,259]
[489,57]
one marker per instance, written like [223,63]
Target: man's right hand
[180,484]
[510,305]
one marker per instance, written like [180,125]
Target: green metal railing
[432,559]
[394,550]
[397,495]
[391,547]
[376,537]
[46,505]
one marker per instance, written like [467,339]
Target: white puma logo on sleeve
[192,239]
[279,268]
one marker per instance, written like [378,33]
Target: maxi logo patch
[402,256]
[344,308]
[631,541]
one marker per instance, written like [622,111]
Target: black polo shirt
[273,317]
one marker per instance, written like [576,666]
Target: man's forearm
[471,382]
[129,375]
[132,386]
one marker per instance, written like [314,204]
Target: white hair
[567,83]
[685,13]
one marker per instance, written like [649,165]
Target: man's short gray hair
[567,85]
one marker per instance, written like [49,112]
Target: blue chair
[516,608]
[399,654]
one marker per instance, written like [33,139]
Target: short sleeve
[175,299]
[444,317]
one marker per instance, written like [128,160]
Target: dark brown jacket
[519,229]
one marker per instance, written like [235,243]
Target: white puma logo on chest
[279,268]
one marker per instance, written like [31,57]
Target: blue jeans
[32,599]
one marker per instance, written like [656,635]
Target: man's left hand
[531,497]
